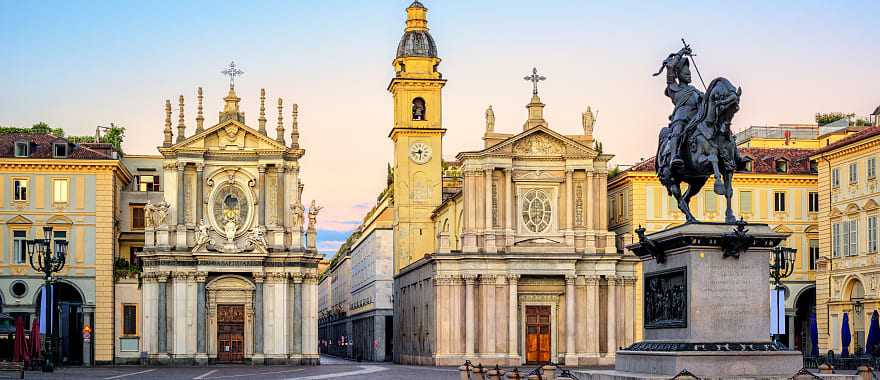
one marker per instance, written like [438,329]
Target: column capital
[627,280]
[280,168]
[469,279]
[310,278]
[297,278]
[580,280]
[161,276]
[180,166]
[180,275]
[200,166]
[489,170]
[569,279]
[201,276]
[612,279]
[487,278]
[512,278]
[508,170]
[259,277]
[591,280]
[569,171]
[276,276]
[261,168]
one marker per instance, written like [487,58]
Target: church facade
[229,267]
[504,255]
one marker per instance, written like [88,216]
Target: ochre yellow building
[849,267]
[73,188]
[779,189]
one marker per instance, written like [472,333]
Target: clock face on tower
[420,153]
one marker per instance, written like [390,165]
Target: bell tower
[417,135]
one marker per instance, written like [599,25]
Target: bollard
[464,372]
[515,375]
[826,368]
[495,373]
[865,372]
[549,372]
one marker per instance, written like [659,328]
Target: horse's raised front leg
[729,217]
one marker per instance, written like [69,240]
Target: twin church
[502,255]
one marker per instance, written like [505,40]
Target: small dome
[416,4]
[417,43]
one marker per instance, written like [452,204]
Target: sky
[78,64]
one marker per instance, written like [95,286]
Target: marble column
[279,195]
[488,282]
[580,316]
[592,315]
[489,231]
[296,315]
[508,206]
[201,315]
[469,238]
[258,313]
[611,318]
[181,194]
[629,303]
[603,200]
[162,312]
[262,202]
[590,207]
[469,315]
[570,357]
[569,206]
[512,316]
[200,190]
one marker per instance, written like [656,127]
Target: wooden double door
[537,334]
[230,333]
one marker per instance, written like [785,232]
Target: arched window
[418,109]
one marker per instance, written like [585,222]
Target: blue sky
[77,64]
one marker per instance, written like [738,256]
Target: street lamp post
[48,256]
[782,266]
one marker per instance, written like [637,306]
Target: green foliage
[125,269]
[826,118]
[597,145]
[80,139]
[114,136]
[614,171]
[41,128]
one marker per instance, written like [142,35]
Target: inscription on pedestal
[729,297]
[666,299]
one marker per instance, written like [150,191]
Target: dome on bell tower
[416,40]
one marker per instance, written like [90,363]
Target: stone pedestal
[707,304]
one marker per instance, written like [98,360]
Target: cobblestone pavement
[330,368]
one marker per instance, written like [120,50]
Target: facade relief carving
[156,215]
[539,145]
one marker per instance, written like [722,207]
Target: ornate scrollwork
[649,247]
[737,241]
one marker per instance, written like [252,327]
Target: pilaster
[569,207]
[512,329]
[509,211]
[259,277]
[469,280]
[201,313]
[200,192]
[611,317]
[570,356]
[261,169]
[489,231]
[592,283]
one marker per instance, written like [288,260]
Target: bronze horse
[707,148]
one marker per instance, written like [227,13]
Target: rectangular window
[60,190]
[60,235]
[147,183]
[814,253]
[872,168]
[129,319]
[59,150]
[745,201]
[872,234]
[835,235]
[854,172]
[20,189]
[19,247]
[835,177]
[22,149]
[710,202]
[844,240]
[813,201]
[779,201]
[853,237]
[137,217]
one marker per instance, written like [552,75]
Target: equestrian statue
[698,141]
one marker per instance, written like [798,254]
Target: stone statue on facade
[588,118]
[490,119]
[257,237]
[313,224]
[698,141]
[202,236]
[296,210]
[156,215]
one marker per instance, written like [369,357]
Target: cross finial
[232,71]
[535,78]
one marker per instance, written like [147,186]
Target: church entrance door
[230,333]
[537,334]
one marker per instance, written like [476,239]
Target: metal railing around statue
[838,362]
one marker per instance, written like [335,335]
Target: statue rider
[685,97]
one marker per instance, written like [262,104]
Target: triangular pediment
[870,205]
[229,135]
[59,219]
[539,141]
[835,212]
[783,229]
[852,208]
[19,219]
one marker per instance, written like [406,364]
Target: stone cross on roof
[535,78]
[232,71]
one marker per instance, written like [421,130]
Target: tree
[114,136]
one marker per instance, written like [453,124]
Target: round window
[18,289]
[536,211]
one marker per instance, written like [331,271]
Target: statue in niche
[418,109]
[156,215]
[296,211]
